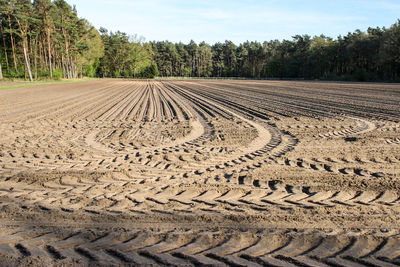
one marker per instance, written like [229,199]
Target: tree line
[47,39]
[373,55]
[125,56]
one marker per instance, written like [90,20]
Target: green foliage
[90,70]
[360,56]
[19,74]
[149,72]
[57,74]
[92,49]
[43,74]
[116,74]
[123,55]
[48,38]
[186,72]
[360,75]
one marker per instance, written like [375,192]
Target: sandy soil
[183,173]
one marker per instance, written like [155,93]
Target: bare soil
[183,173]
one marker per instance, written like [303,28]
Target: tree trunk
[5,51]
[28,67]
[63,66]
[67,60]
[31,53]
[6,57]
[72,68]
[35,58]
[45,56]
[48,45]
[40,54]
[12,44]
[1,71]
[69,68]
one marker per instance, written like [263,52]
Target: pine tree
[44,8]
[23,15]
[1,69]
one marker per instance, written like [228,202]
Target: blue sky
[235,20]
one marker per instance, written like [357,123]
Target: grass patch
[38,83]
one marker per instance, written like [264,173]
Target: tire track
[363,126]
[217,247]
[183,173]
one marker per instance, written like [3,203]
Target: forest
[44,39]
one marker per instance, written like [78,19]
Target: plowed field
[193,173]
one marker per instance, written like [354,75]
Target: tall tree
[23,17]
[1,69]
[230,61]
[218,59]
[8,9]
[124,55]
[390,52]
[205,60]
[48,37]
[192,49]
[44,8]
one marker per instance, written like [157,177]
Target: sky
[236,20]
